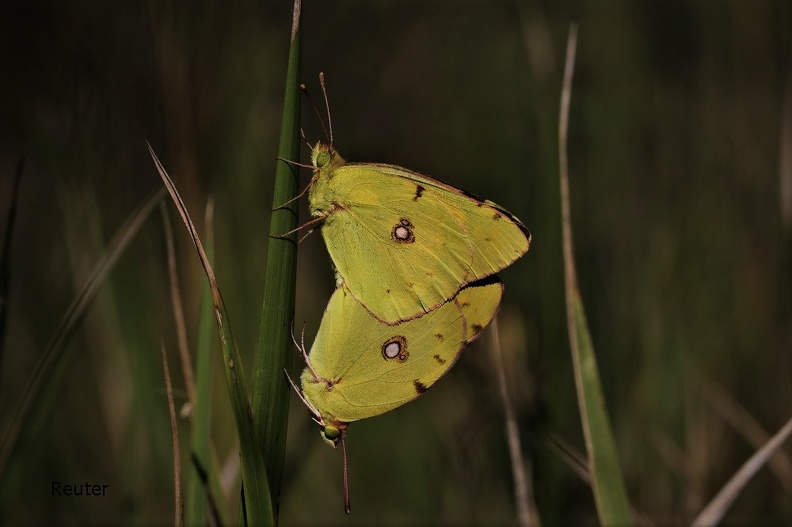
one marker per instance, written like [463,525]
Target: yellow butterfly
[359,367]
[405,243]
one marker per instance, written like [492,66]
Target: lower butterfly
[360,367]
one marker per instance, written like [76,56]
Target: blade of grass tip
[177,478]
[71,319]
[178,309]
[717,508]
[610,495]
[270,390]
[527,514]
[203,482]
[5,256]
[258,505]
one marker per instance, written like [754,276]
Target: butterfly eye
[403,231]
[331,433]
[395,348]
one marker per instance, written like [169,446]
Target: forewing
[405,244]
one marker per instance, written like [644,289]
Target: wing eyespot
[403,231]
[395,348]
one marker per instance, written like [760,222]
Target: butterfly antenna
[327,105]
[347,507]
[316,111]
[317,417]
[310,147]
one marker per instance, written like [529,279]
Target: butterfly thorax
[321,196]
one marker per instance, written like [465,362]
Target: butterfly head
[325,157]
[333,433]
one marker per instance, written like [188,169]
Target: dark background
[680,147]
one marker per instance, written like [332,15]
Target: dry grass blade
[178,309]
[717,508]
[177,479]
[747,426]
[257,505]
[527,514]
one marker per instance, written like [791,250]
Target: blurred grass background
[682,240]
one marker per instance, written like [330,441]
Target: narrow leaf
[610,495]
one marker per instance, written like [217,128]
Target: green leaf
[610,494]
[271,391]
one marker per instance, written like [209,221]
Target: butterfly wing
[367,368]
[405,243]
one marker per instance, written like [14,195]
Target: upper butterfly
[404,243]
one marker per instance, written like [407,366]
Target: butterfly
[403,243]
[359,367]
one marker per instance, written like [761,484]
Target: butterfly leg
[303,191]
[285,235]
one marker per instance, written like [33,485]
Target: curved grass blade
[71,319]
[610,494]
[270,390]
[257,504]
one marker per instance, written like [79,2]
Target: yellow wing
[367,368]
[404,243]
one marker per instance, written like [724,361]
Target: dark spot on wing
[439,336]
[496,216]
[439,359]
[402,232]
[419,190]
[419,387]
[477,328]
[395,348]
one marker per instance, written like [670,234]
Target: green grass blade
[43,374]
[203,485]
[271,391]
[610,494]
[257,503]
[609,490]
